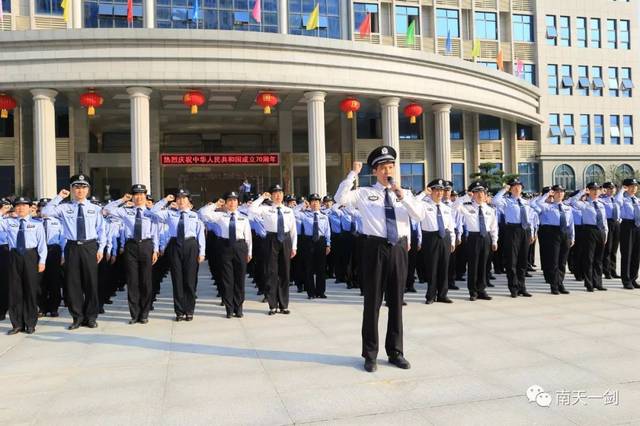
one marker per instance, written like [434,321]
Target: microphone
[390,180]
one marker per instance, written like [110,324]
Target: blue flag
[448,47]
[195,14]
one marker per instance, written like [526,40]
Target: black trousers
[24,286]
[515,248]
[609,257]
[233,270]
[436,253]
[461,258]
[575,266]
[51,283]
[477,249]
[629,252]
[451,274]
[591,257]
[499,258]
[554,251]
[258,258]
[339,262]
[315,263]
[531,257]
[138,265]
[210,251]
[183,261]
[278,268]
[384,277]
[107,279]
[414,257]
[81,280]
[4,280]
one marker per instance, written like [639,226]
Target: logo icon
[537,394]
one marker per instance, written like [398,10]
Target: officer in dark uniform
[612,208]
[317,231]
[85,233]
[4,265]
[629,205]
[27,259]
[385,209]
[52,279]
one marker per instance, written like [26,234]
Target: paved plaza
[472,363]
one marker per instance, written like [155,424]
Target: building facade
[440,54]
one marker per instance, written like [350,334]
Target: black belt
[131,240]
[186,239]
[383,240]
[80,242]
[486,234]
[227,239]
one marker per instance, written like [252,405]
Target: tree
[492,176]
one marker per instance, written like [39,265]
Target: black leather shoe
[92,324]
[132,321]
[490,285]
[514,294]
[628,287]
[554,291]
[473,298]
[608,277]
[404,303]
[400,362]
[239,315]
[492,277]
[528,275]
[484,296]
[614,275]
[601,288]
[285,311]
[412,290]
[429,301]
[3,317]
[322,296]
[564,291]
[188,317]
[108,302]
[451,287]
[311,297]
[179,318]
[370,365]
[75,325]
[635,285]
[54,314]
[229,315]
[101,311]
[14,331]
[144,321]
[525,294]
[264,300]
[30,330]
[272,312]
[444,300]
[590,289]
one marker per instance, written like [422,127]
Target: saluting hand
[127,197]
[266,196]
[169,198]
[5,209]
[357,167]
[64,193]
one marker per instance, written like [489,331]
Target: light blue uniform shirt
[629,206]
[33,234]
[193,226]
[324,228]
[53,232]
[549,214]
[67,214]
[509,208]
[128,217]
[610,207]
[589,212]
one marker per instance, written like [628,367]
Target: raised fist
[63,193]
[266,196]
[357,167]
[169,198]
[127,197]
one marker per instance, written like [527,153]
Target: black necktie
[524,221]
[21,243]
[390,218]
[137,228]
[482,226]
[599,218]
[81,230]
[280,233]
[232,229]
[316,227]
[45,224]
[441,230]
[563,219]
[181,228]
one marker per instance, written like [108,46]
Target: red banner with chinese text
[236,159]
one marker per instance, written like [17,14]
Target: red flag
[256,13]
[130,11]
[365,26]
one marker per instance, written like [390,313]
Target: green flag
[411,33]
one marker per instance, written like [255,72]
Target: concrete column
[77,13]
[317,151]
[390,129]
[442,114]
[283,16]
[44,142]
[140,138]
[149,13]
[285,144]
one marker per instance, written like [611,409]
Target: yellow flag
[475,52]
[314,19]
[65,8]
[500,60]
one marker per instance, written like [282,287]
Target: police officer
[518,234]
[575,253]
[27,259]
[84,230]
[448,198]
[186,248]
[629,233]
[414,256]
[613,238]
[141,248]
[235,247]
[4,265]
[315,226]
[481,225]
[51,284]
[282,243]
[385,210]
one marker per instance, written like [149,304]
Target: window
[6,8]
[613,82]
[594,173]
[552,32]
[625,38]
[612,35]
[529,175]
[489,128]
[585,130]
[455,125]
[528,73]
[627,129]
[552,79]
[626,84]
[583,80]
[448,22]
[48,7]
[360,11]
[598,84]
[485,26]
[565,176]
[568,132]
[404,17]
[368,126]
[457,176]
[524,132]
[7,180]
[111,14]
[523,28]
[614,129]
[62,176]
[299,11]
[567,81]
[62,121]
[554,129]
[412,176]
[595,33]
[581,31]
[624,171]
[6,126]
[487,64]
[598,129]
[407,130]
[565,31]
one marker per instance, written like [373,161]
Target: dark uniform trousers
[591,257]
[384,277]
[278,268]
[315,263]
[107,279]
[554,251]
[461,257]
[500,256]
[183,261]
[24,286]
[629,251]
[158,272]
[477,250]
[298,272]
[515,250]
[339,264]
[258,258]
[611,248]
[52,278]
[575,265]
[233,269]
[348,242]
[138,260]
[361,242]
[414,258]
[451,273]
[81,280]
[436,251]
[210,251]
[4,280]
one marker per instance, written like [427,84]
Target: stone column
[441,114]
[149,14]
[317,151]
[77,13]
[44,142]
[390,129]
[140,139]
[283,16]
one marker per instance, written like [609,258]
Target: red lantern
[193,99]
[91,100]
[7,103]
[412,111]
[349,106]
[267,101]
